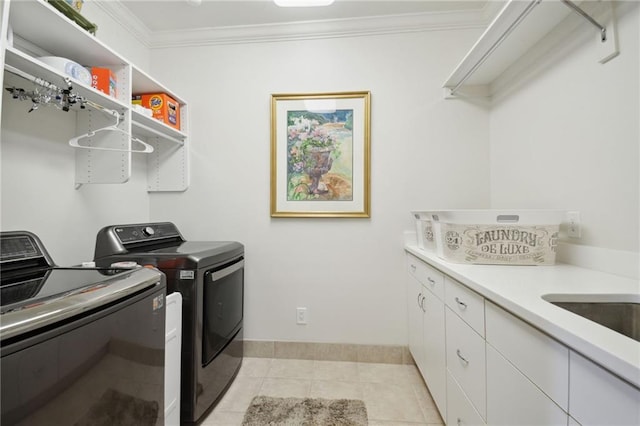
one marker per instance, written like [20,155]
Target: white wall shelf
[24,62]
[59,35]
[517,28]
[167,165]
[144,126]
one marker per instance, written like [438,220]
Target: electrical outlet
[574,228]
[301,315]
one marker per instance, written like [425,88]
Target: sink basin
[620,313]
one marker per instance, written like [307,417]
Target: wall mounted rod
[50,86]
[36,80]
[495,45]
[585,15]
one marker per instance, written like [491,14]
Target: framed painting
[321,154]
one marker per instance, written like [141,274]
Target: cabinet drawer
[512,399]
[539,357]
[597,397]
[466,359]
[460,411]
[430,277]
[468,304]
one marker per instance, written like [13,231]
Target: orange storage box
[105,81]
[163,107]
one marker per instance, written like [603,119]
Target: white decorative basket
[424,230]
[511,237]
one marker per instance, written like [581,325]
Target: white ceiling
[176,15]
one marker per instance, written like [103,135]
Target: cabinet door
[512,399]
[416,314]
[460,411]
[466,360]
[597,397]
[542,359]
[434,347]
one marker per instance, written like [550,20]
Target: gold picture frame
[321,155]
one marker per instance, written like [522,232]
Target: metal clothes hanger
[75,142]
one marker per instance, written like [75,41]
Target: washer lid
[63,293]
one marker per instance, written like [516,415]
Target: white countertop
[519,290]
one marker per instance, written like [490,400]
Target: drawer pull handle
[413,268]
[419,301]
[461,304]
[463,359]
[422,304]
[431,280]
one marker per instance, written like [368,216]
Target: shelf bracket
[606,24]
[585,15]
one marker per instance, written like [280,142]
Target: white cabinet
[106,156]
[499,369]
[512,399]
[597,397]
[427,328]
[434,345]
[542,359]
[459,409]
[415,301]
[466,303]
[466,360]
[430,277]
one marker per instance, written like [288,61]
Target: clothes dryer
[210,277]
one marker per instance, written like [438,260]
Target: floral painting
[320,148]
[320,158]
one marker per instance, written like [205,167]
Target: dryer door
[222,307]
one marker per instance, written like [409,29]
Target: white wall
[567,136]
[349,273]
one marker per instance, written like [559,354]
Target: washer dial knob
[148,231]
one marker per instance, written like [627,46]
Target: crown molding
[309,30]
[120,14]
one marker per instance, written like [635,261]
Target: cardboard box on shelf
[164,108]
[105,81]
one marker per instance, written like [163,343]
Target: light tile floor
[393,394]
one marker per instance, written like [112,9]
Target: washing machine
[78,345]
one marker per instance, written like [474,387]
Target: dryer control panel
[119,239]
[131,233]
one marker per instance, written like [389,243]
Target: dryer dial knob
[148,231]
